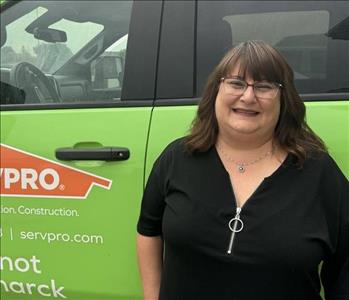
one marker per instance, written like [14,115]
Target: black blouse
[294,220]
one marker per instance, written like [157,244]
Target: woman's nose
[249,95]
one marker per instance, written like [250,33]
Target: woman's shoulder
[176,145]
[326,166]
[322,160]
[172,150]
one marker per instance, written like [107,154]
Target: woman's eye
[237,84]
[264,87]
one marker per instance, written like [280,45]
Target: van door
[77,84]
[309,34]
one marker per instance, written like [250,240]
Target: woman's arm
[150,250]
[335,269]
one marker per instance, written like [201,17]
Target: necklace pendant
[241,168]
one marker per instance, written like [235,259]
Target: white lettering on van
[48,178]
[10,176]
[20,264]
[29,177]
[43,182]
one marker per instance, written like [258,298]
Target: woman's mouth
[245,112]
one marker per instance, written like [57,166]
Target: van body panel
[85,244]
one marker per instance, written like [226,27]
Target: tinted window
[22,45]
[63,52]
[312,35]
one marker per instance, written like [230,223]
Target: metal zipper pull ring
[236,221]
[233,226]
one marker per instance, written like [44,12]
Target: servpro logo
[23,174]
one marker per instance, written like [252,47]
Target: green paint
[106,266]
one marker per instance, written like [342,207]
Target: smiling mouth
[245,112]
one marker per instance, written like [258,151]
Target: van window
[64,51]
[306,32]
[21,45]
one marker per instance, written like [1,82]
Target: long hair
[262,62]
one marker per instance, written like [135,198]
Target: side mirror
[108,71]
[50,35]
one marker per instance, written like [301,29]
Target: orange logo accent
[23,174]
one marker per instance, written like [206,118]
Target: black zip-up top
[270,248]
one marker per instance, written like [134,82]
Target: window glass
[47,56]
[64,51]
[112,61]
[306,32]
[298,43]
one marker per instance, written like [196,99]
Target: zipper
[235,226]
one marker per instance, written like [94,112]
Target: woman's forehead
[238,70]
[245,71]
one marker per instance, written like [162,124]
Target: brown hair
[262,62]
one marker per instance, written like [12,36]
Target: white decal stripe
[48,196]
[105,187]
[62,165]
[41,196]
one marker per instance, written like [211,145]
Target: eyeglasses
[261,89]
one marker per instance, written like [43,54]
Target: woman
[249,203]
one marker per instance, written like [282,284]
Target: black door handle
[103,153]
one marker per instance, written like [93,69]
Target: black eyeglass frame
[278,85]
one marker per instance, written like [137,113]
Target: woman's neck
[243,151]
[246,150]
[245,145]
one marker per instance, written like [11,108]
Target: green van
[92,91]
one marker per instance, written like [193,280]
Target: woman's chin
[244,128]
[243,133]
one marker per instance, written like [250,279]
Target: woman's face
[246,114]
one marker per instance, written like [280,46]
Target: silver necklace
[241,166]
